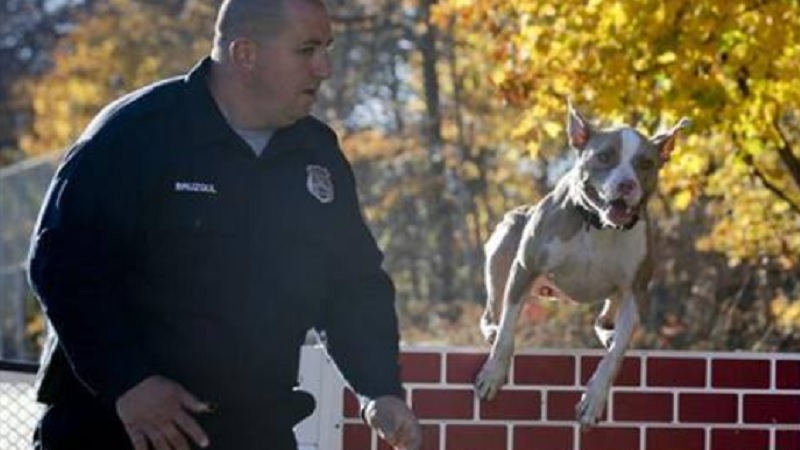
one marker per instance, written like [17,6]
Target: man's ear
[665,141]
[578,128]
[242,53]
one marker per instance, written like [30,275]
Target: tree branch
[748,159]
[787,155]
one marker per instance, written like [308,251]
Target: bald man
[192,235]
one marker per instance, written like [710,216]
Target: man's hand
[157,410]
[394,422]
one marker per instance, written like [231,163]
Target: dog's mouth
[620,213]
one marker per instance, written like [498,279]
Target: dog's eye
[604,157]
[646,164]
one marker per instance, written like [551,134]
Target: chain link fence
[22,188]
[18,408]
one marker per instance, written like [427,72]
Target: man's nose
[322,66]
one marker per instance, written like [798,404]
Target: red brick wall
[660,401]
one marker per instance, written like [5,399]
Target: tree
[122,45]
[733,184]
[29,30]
[730,66]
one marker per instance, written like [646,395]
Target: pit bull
[586,241]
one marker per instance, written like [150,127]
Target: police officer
[191,236]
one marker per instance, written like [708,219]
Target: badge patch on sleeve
[319,183]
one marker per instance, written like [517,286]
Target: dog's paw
[606,337]
[589,409]
[492,376]
[489,332]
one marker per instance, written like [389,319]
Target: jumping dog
[586,241]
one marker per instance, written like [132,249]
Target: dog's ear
[578,128]
[665,141]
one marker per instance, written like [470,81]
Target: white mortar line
[576,435]
[443,367]
[773,438]
[773,379]
[740,407]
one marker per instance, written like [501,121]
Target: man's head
[618,166]
[275,56]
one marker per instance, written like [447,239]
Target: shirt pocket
[195,253]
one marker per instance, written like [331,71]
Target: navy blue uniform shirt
[166,246]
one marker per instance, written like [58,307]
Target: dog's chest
[593,264]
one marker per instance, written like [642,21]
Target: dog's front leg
[594,399]
[495,371]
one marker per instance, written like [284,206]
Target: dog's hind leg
[500,249]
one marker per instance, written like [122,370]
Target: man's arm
[361,324]
[80,264]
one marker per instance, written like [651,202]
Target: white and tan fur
[586,241]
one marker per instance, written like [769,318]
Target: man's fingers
[410,436]
[407,437]
[156,438]
[386,425]
[174,437]
[191,402]
[190,426]
[137,438]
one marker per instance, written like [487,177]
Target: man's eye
[307,51]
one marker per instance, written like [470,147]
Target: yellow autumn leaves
[731,66]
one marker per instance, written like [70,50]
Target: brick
[352,409]
[609,439]
[544,370]
[772,408]
[513,405]
[420,367]
[740,373]
[561,405]
[356,437]
[642,407]
[787,375]
[475,437]
[675,439]
[676,372]
[464,367]
[629,373]
[787,440]
[711,408]
[443,404]
[739,439]
[430,439]
[543,438]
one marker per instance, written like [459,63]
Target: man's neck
[232,99]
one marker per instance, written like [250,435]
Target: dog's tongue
[620,214]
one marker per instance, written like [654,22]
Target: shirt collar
[207,124]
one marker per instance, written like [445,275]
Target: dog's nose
[626,187]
